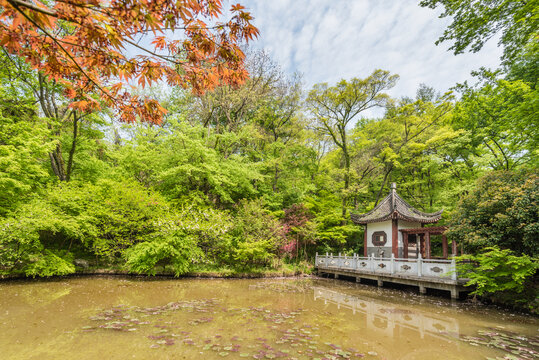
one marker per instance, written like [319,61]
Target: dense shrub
[499,274]
[102,219]
[503,210]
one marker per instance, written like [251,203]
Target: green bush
[100,219]
[168,246]
[499,274]
[503,211]
[49,264]
[255,236]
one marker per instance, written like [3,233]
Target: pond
[119,318]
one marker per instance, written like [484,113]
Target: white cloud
[327,40]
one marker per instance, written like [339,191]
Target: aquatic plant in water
[284,335]
[515,346]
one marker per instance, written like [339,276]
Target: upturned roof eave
[434,217]
[394,213]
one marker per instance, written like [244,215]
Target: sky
[329,40]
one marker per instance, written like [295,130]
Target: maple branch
[188,28]
[164,57]
[62,48]
[16,3]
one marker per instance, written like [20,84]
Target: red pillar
[444,246]
[405,244]
[395,238]
[427,245]
[365,242]
[454,248]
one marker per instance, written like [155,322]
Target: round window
[379,238]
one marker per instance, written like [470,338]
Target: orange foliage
[83,44]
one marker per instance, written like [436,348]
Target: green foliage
[498,271]
[22,152]
[334,107]
[475,22]
[179,162]
[49,264]
[501,118]
[255,236]
[104,219]
[169,245]
[501,211]
[123,213]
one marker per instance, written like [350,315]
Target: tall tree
[335,107]
[55,110]
[501,116]
[84,46]
[476,21]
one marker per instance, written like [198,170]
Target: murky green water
[113,318]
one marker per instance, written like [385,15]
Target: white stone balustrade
[422,268]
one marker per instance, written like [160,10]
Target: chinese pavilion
[395,227]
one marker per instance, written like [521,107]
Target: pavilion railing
[427,268]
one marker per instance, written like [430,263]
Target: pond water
[118,318]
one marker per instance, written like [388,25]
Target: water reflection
[388,320]
[303,318]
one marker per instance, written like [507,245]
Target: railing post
[453,269]
[392,265]
[316,259]
[372,263]
[419,265]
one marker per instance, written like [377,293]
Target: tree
[496,270]
[409,131]
[63,122]
[501,211]
[502,276]
[501,116]
[475,22]
[22,149]
[333,109]
[84,47]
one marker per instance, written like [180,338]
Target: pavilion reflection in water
[385,318]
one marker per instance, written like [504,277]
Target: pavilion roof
[395,207]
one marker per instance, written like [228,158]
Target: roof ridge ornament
[393,197]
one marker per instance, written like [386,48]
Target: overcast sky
[328,40]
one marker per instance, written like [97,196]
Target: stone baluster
[419,265]
[453,269]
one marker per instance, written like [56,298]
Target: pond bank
[205,274]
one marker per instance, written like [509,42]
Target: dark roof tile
[395,207]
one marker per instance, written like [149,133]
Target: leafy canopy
[501,211]
[495,270]
[475,22]
[84,45]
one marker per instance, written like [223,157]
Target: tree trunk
[73,145]
[57,163]
[383,184]
[346,181]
